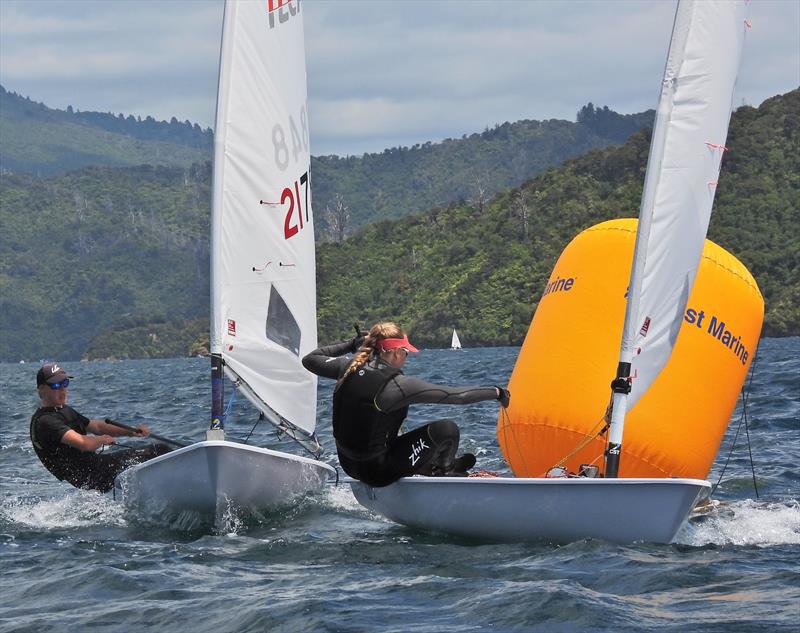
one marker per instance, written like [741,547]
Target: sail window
[282,327]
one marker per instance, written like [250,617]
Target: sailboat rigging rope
[506,422]
[281,431]
[229,407]
[586,441]
[258,419]
[743,418]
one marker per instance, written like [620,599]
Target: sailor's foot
[461,465]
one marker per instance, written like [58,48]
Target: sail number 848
[297,138]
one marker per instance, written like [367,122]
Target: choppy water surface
[72,560]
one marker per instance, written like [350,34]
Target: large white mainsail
[686,151]
[263,291]
[455,342]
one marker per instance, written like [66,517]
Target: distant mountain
[402,181]
[114,261]
[42,141]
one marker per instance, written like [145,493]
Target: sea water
[72,560]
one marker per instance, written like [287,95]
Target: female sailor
[370,403]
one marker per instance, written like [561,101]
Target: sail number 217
[291,202]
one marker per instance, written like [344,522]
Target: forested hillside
[405,180]
[100,246]
[42,141]
[113,262]
[348,192]
[483,269]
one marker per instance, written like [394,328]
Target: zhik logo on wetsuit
[416,451]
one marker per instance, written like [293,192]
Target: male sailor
[65,441]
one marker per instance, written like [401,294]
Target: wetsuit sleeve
[403,390]
[329,361]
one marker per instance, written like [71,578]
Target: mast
[217,424]
[686,149]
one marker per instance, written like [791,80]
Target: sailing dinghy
[685,154]
[455,343]
[263,280]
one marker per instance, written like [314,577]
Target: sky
[381,73]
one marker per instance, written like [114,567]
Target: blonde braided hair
[377,333]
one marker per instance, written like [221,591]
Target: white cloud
[381,73]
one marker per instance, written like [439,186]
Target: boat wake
[339,498]
[79,508]
[745,522]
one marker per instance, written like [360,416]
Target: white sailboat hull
[505,509]
[214,477]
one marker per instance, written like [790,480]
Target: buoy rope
[506,422]
[743,418]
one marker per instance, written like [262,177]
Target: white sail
[455,343]
[686,151]
[263,292]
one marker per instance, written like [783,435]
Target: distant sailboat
[685,155]
[263,279]
[455,343]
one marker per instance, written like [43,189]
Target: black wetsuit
[369,408]
[83,469]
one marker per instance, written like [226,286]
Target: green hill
[110,262]
[81,251]
[403,181]
[484,269]
[42,141]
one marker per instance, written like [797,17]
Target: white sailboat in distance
[455,342]
[263,280]
[694,108]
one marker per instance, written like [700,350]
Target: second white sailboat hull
[505,509]
[213,477]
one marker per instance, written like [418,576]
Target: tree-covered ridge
[348,192]
[101,262]
[482,269]
[43,141]
[146,338]
[80,251]
[402,181]
[757,208]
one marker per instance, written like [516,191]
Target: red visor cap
[393,343]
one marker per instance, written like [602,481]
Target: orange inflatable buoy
[560,383]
